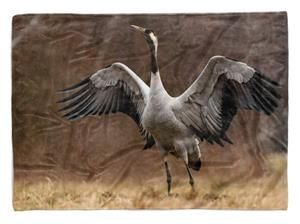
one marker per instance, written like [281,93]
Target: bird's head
[149,36]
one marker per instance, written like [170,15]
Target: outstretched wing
[208,106]
[113,89]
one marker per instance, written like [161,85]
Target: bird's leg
[169,177]
[184,156]
[191,180]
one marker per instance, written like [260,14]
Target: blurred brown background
[51,52]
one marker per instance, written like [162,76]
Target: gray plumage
[109,90]
[204,111]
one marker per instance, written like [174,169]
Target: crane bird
[175,124]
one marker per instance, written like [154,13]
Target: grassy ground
[266,192]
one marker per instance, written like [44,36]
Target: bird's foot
[169,188]
[172,195]
[169,182]
[192,185]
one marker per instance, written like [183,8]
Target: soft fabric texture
[98,161]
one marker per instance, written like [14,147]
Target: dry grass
[266,192]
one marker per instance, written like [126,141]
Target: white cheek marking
[153,38]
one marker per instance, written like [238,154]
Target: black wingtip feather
[265,98]
[265,107]
[268,86]
[265,93]
[81,104]
[76,94]
[260,75]
[73,117]
[226,139]
[148,144]
[217,140]
[81,83]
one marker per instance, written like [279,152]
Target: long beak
[141,29]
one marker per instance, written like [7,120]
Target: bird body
[170,134]
[175,124]
[157,114]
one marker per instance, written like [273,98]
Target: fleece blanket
[78,125]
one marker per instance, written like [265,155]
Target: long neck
[155,76]
[154,64]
